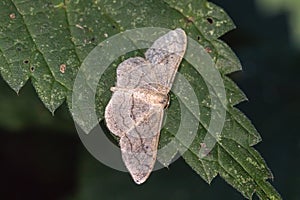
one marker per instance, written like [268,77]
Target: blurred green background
[42,156]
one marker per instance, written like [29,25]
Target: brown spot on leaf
[208,50]
[12,16]
[62,68]
[190,20]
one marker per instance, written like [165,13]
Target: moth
[136,109]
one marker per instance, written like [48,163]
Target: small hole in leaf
[210,20]
[93,39]
[113,26]
[198,37]
[32,69]
[26,61]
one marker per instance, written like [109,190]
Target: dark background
[42,157]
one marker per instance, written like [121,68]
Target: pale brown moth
[136,108]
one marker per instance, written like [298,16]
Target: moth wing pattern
[139,145]
[166,54]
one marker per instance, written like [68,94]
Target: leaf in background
[37,38]
[274,7]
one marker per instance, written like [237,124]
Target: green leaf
[39,38]
[275,7]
